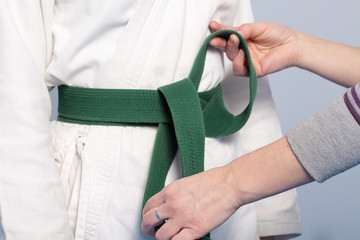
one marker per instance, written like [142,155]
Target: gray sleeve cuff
[329,142]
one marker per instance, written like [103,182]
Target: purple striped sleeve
[328,143]
[352,101]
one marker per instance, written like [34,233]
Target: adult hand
[272,47]
[192,206]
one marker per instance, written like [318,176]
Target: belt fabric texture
[184,116]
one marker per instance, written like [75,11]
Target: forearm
[267,171]
[324,145]
[336,62]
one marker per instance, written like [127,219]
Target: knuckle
[147,230]
[168,193]
[144,230]
[244,27]
[177,204]
[229,55]
[236,73]
[160,235]
[239,71]
[171,190]
[148,220]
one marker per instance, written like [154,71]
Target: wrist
[239,181]
[308,50]
[299,49]
[232,181]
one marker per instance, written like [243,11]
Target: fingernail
[231,40]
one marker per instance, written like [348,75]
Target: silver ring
[157,214]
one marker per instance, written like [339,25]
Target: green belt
[184,116]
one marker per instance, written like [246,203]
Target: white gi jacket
[95,189]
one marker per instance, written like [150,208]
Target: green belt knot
[184,116]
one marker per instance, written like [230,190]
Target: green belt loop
[233,124]
[184,116]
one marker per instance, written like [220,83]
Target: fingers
[247,30]
[237,56]
[154,202]
[240,67]
[232,47]
[219,42]
[186,234]
[171,231]
[154,217]
[168,230]
[215,26]
[153,210]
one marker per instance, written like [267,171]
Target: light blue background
[331,210]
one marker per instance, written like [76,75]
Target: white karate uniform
[127,44]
